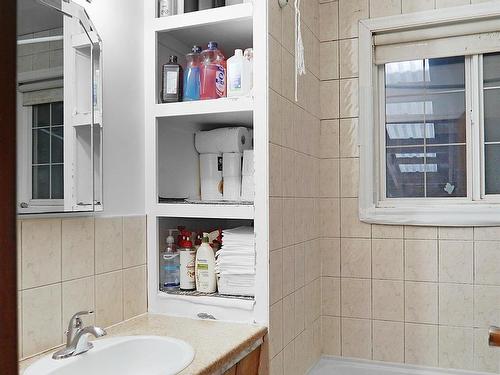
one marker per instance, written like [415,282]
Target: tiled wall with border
[80,263]
[417,295]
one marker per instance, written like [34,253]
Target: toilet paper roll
[231,164]
[223,140]
[211,177]
[247,188]
[210,166]
[232,188]
[248,163]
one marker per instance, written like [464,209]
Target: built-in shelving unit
[173,164]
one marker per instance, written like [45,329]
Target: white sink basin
[125,355]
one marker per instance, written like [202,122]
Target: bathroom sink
[125,355]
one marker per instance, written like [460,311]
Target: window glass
[47,151]
[405,172]
[491,70]
[491,115]
[57,144]
[41,115]
[41,146]
[449,178]
[491,163]
[41,182]
[425,130]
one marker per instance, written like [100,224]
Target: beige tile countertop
[217,344]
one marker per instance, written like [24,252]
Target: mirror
[59,109]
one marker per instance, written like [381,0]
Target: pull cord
[300,66]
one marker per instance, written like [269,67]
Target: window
[425,128]
[47,144]
[430,118]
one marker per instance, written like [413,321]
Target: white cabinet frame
[228,309]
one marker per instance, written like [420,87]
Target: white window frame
[476,208]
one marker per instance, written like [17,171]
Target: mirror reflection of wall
[59,109]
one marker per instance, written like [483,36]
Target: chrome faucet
[76,337]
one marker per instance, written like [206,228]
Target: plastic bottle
[248,68]
[170,265]
[190,6]
[206,281]
[187,260]
[167,8]
[192,75]
[235,74]
[172,81]
[208,4]
[212,73]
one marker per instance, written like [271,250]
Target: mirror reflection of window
[47,151]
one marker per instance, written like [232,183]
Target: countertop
[216,344]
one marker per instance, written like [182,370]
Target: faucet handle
[75,322]
[494,336]
[80,313]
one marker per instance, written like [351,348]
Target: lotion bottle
[206,281]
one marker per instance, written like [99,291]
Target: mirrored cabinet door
[59,109]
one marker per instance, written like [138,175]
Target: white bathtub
[341,366]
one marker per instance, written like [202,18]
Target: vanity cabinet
[248,365]
[172,163]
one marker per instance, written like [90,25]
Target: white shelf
[235,303]
[204,107]
[205,210]
[201,18]
[226,309]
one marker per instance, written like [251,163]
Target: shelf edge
[203,17]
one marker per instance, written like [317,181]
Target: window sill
[460,215]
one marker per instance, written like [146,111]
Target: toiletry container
[167,8]
[240,73]
[190,6]
[206,281]
[211,177]
[208,4]
[212,73]
[187,256]
[247,177]
[248,68]
[192,75]
[172,81]
[231,172]
[170,265]
[235,74]
[205,4]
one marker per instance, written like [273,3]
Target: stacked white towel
[235,262]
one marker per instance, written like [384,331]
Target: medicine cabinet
[59,109]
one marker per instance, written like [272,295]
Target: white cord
[300,65]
